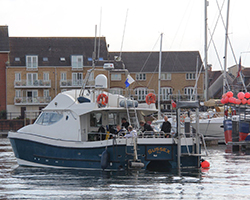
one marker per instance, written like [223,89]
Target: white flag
[129,80]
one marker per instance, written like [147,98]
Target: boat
[76,130]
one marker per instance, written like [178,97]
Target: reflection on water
[228,178]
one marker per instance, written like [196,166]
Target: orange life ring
[102,99]
[150,98]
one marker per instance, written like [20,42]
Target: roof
[4,39]
[54,48]
[172,61]
[213,76]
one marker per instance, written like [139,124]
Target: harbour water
[227,178]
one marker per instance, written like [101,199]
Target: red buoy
[205,164]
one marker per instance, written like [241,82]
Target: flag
[239,69]
[173,104]
[129,80]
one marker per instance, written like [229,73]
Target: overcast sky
[181,22]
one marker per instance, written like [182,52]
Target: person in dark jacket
[125,124]
[166,126]
[145,126]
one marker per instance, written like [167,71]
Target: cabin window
[48,118]
[95,119]
[113,119]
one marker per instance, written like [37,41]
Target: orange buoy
[102,99]
[205,164]
[150,98]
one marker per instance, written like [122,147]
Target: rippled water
[228,178]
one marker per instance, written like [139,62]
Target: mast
[205,53]
[225,55]
[159,80]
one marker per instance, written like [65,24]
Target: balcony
[71,83]
[32,100]
[32,84]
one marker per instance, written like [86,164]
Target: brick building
[41,67]
[4,55]
[38,68]
[178,74]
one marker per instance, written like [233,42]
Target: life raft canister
[150,98]
[102,99]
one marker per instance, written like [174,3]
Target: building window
[45,93]
[116,91]
[32,79]
[141,76]
[63,76]
[32,62]
[165,76]
[77,79]
[190,76]
[165,92]
[116,77]
[18,93]
[77,61]
[188,90]
[18,77]
[32,96]
[45,59]
[141,93]
[45,76]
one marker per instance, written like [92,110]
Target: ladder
[85,81]
[132,115]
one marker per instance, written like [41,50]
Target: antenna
[99,42]
[123,34]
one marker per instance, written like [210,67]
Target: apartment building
[38,68]
[41,67]
[181,72]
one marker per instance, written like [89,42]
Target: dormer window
[17,59]
[31,62]
[62,59]
[77,61]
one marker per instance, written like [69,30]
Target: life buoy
[150,98]
[182,118]
[102,99]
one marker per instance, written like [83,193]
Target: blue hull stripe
[120,155]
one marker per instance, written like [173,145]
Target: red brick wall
[3,60]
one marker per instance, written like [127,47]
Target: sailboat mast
[225,56]
[205,52]
[159,80]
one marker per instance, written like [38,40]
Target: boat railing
[97,136]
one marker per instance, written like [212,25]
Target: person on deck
[166,126]
[131,132]
[145,126]
[125,124]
